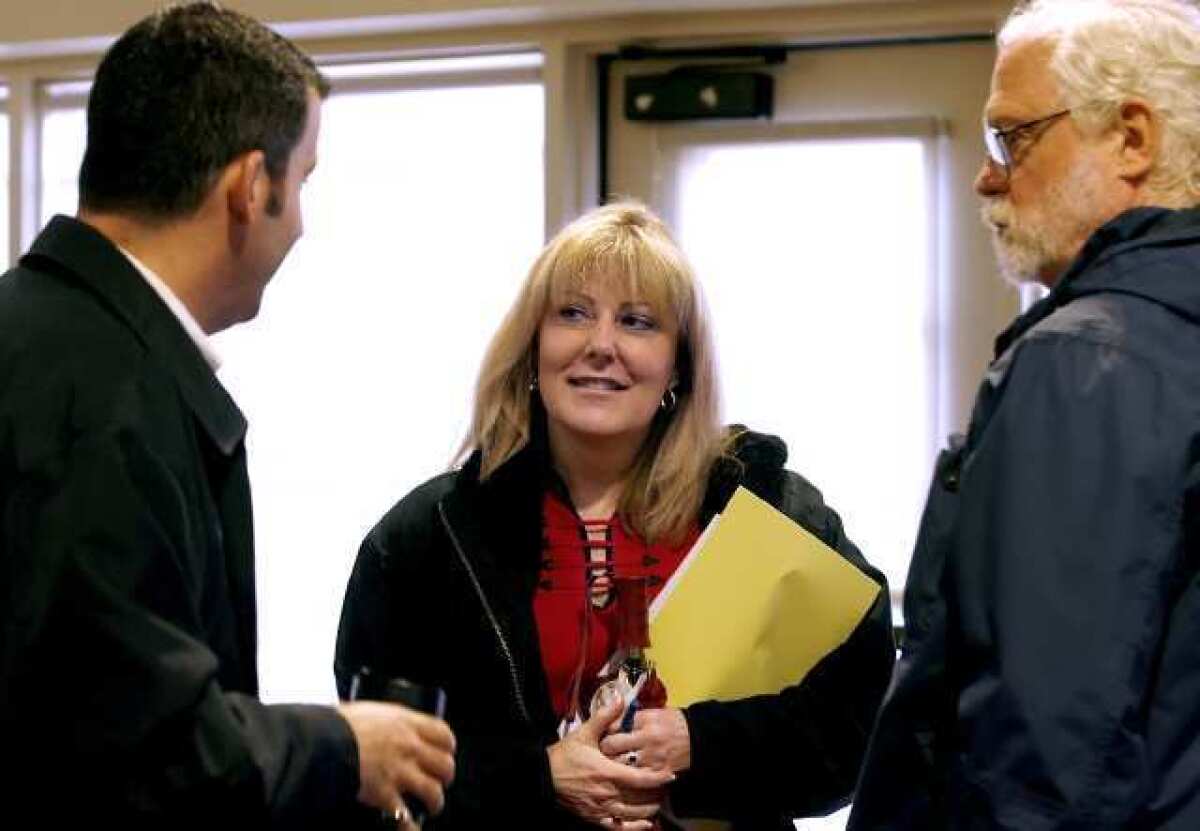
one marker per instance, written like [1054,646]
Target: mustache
[995,212]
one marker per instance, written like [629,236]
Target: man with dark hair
[168,111]
[127,601]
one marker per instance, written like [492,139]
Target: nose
[602,340]
[992,180]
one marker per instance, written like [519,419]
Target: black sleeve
[764,760]
[501,775]
[105,663]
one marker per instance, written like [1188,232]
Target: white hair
[1107,52]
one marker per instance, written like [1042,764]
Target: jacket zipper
[487,609]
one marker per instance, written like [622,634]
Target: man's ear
[1140,134]
[247,186]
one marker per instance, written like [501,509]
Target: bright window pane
[357,376]
[64,135]
[4,237]
[815,255]
[424,213]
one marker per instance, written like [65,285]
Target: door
[851,284]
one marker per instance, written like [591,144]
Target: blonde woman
[596,453]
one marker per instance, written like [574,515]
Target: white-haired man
[1050,677]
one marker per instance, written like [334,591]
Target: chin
[245,312]
[600,430]
[1017,278]
[251,311]
[1017,265]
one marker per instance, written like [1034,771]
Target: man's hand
[400,751]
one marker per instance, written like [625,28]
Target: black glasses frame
[996,140]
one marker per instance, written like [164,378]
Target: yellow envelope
[753,607]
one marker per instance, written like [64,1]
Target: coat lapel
[87,257]
[79,253]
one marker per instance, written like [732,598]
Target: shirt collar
[189,324]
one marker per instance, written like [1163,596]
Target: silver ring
[631,758]
[401,814]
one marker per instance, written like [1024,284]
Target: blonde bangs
[631,262]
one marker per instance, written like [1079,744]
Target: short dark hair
[178,97]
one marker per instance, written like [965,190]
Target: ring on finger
[402,815]
[631,758]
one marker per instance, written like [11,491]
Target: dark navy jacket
[1051,674]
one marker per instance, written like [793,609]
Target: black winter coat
[442,593]
[127,619]
[1051,674]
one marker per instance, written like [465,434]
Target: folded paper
[754,606]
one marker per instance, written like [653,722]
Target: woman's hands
[599,789]
[659,741]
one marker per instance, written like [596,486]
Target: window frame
[929,131]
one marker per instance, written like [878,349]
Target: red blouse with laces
[580,558]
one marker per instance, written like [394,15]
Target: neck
[595,470]
[179,252]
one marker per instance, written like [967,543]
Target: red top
[580,558]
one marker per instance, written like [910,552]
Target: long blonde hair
[623,242]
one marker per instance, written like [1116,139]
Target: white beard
[1038,243]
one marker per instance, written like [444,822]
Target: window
[799,268]
[824,305]
[357,375]
[64,136]
[4,179]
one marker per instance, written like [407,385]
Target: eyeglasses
[999,143]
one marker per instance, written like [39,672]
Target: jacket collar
[1116,259]
[85,255]
[755,460]
[509,502]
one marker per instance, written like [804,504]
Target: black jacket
[127,647]
[1051,677]
[457,562]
